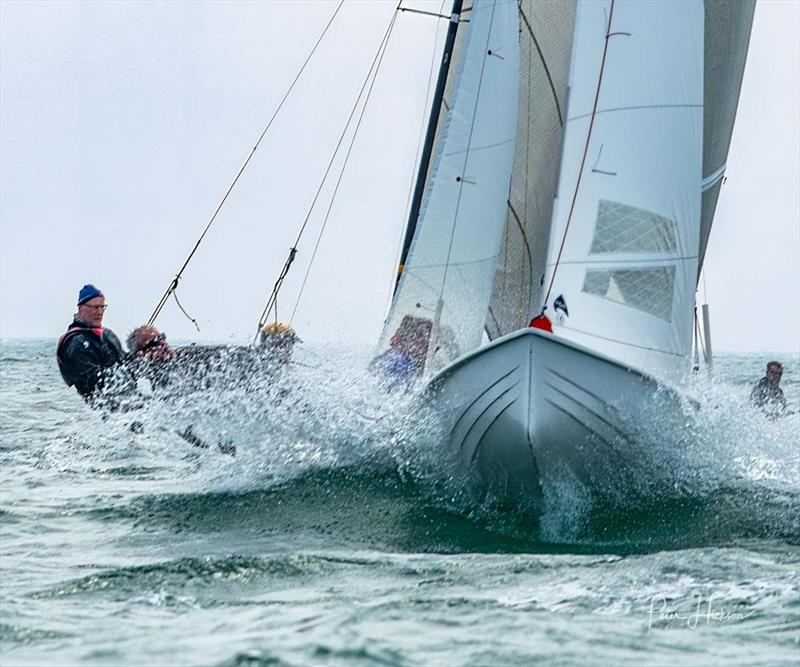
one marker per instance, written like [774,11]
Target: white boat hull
[530,409]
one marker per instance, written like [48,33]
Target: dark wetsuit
[83,354]
[767,396]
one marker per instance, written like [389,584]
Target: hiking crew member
[87,349]
[767,394]
[277,341]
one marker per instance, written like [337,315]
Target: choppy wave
[323,446]
[186,572]
[24,635]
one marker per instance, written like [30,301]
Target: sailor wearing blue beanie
[88,292]
[87,349]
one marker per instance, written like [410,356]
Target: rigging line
[585,153]
[417,156]
[496,326]
[466,155]
[293,249]
[524,238]
[424,13]
[544,64]
[174,284]
[183,310]
[384,46]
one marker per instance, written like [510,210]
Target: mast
[433,121]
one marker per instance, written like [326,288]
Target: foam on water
[715,463]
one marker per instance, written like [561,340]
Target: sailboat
[572,166]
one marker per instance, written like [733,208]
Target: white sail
[628,266]
[727,35]
[545,44]
[447,278]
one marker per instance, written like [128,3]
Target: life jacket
[542,322]
[105,342]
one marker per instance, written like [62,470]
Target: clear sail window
[648,289]
[623,228]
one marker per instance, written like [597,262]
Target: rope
[583,160]
[382,48]
[183,310]
[293,250]
[273,299]
[174,284]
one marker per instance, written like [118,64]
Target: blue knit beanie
[87,293]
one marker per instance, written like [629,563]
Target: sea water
[338,533]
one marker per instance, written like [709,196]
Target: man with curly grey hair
[148,343]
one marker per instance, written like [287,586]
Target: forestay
[447,278]
[630,256]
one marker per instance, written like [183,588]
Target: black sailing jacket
[84,352]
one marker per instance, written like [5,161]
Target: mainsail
[727,36]
[447,278]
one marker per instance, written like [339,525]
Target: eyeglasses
[774,372]
[153,342]
[94,307]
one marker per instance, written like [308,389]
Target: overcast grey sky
[122,124]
